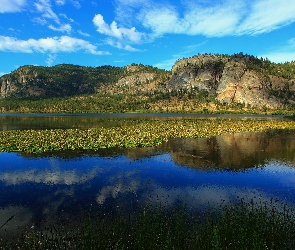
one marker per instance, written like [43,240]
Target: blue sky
[151,32]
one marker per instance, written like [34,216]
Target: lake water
[41,189]
[64,121]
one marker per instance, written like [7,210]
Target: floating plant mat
[148,133]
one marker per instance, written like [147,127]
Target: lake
[37,190]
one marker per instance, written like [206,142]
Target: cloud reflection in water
[200,172]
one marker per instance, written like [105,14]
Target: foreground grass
[241,226]
[147,133]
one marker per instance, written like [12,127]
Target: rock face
[201,72]
[12,84]
[240,85]
[137,83]
[235,79]
[33,81]
[141,79]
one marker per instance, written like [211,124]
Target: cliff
[236,79]
[58,81]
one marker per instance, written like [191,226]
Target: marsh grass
[243,225]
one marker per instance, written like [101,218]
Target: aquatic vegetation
[242,225]
[145,133]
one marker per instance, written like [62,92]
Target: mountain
[238,79]
[58,81]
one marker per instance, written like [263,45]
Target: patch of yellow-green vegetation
[147,133]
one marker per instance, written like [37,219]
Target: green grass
[246,225]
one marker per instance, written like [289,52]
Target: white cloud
[119,45]
[44,7]
[2,73]
[208,18]
[93,3]
[62,28]
[130,48]
[215,20]
[39,20]
[131,35]
[12,5]
[66,17]
[50,44]
[160,21]
[83,33]
[60,2]
[50,59]
[127,10]
[76,4]
[267,15]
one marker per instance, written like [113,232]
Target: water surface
[64,121]
[42,189]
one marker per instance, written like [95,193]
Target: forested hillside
[62,80]
[202,83]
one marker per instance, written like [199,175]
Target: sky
[151,32]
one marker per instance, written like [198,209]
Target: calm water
[37,189]
[63,121]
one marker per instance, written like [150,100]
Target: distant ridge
[237,79]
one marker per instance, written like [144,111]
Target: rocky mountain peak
[232,79]
[132,68]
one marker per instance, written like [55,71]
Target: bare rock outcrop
[35,81]
[199,72]
[232,80]
[138,83]
[240,85]
[137,79]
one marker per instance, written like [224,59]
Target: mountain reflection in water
[37,189]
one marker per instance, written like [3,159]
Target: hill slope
[64,80]
[216,79]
